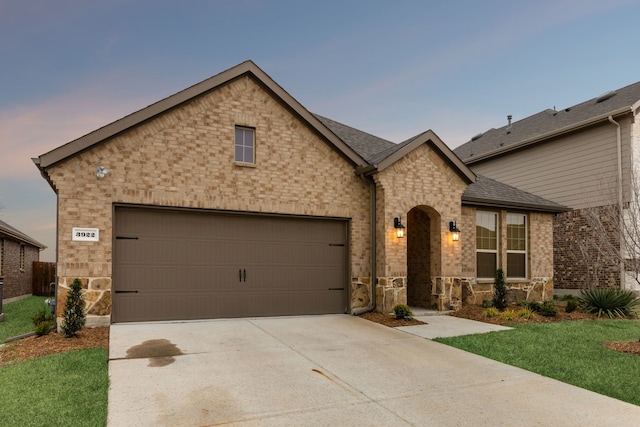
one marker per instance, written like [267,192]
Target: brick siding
[17,281]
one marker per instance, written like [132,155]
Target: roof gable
[550,123]
[246,68]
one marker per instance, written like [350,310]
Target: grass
[17,316]
[65,389]
[567,351]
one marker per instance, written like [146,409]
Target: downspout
[374,278]
[620,201]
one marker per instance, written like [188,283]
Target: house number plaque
[85,234]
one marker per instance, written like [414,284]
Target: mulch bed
[33,347]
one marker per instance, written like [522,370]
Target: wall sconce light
[101,171]
[455,236]
[397,224]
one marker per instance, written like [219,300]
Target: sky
[390,68]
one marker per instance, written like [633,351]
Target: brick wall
[17,281]
[578,263]
[185,158]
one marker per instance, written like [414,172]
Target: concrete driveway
[334,370]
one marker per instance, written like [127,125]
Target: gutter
[361,172]
[620,200]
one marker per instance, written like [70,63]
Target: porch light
[397,224]
[455,233]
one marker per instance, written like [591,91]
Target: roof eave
[552,134]
[505,204]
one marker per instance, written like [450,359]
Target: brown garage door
[174,265]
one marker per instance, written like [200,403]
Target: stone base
[447,292]
[538,289]
[1,317]
[390,291]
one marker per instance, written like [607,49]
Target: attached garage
[188,264]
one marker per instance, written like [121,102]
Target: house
[18,252]
[230,199]
[581,157]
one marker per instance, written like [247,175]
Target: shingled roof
[549,123]
[483,192]
[489,192]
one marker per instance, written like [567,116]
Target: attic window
[245,145]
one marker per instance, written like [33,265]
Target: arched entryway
[423,249]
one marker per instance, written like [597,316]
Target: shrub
[548,308]
[491,312]
[525,313]
[611,302]
[508,314]
[487,303]
[403,311]
[43,323]
[572,304]
[73,315]
[534,306]
[500,291]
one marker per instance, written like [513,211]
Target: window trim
[496,251]
[516,251]
[244,162]
[22,257]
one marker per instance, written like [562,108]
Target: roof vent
[605,96]
[509,117]
[473,138]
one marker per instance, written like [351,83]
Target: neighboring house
[18,252]
[580,157]
[230,199]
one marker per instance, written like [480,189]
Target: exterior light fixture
[397,224]
[455,233]
[101,171]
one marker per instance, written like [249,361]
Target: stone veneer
[538,289]
[96,292]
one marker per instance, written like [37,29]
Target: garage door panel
[187,265]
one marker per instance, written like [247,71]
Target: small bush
[43,323]
[572,304]
[487,303]
[403,311]
[73,315]
[491,312]
[548,308]
[500,291]
[522,303]
[534,306]
[610,302]
[508,314]
[525,313]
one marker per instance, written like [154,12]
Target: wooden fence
[44,273]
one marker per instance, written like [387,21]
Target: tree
[73,315]
[612,234]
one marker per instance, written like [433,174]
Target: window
[486,244]
[1,255]
[245,145]
[22,257]
[516,245]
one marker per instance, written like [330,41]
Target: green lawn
[65,389]
[17,316]
[567,351]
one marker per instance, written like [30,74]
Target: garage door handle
[244,275]
[336,289]
[126,292]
